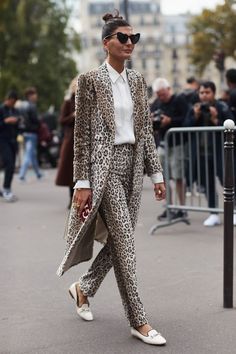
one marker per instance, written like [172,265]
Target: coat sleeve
[82,130]
[151,159]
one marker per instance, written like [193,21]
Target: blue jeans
[30,155]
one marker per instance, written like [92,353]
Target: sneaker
[188,192]
[212,220]
[8,196]
[234,222]
[22,179]
[1,193]
[163,216]
[180,214]
[40,177]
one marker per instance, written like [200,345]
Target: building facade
[163,47]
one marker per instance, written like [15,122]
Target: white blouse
[123,104]
[124,122]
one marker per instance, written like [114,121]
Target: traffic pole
[228,213]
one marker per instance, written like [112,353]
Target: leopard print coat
[94,137]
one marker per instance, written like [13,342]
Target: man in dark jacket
[9,118]
[209,112]
[169,111]
[30,128]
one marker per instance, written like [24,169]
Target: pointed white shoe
[153,337]
[83,311]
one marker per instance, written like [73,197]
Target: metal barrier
[229,194]
[205,147]
[201,159]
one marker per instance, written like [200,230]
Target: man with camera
[168,111]
[209,112]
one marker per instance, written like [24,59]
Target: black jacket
[8,131]
[30,121]
[176,109]
[223,114]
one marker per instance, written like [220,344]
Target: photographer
[209,112]
[168,111]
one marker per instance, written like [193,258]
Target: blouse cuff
[82,184]
[157,178]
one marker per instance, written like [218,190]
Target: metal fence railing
[205,156]
[200,160]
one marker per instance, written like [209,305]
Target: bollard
[228,213]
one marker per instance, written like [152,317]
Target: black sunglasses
[123,37]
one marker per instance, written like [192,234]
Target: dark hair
[191,80]
[30,91]
[112,22]
[209,84]
[12,95]
[231,76]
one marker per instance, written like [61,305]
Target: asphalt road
[180,277]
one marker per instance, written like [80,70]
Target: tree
[36,48]
[213,36]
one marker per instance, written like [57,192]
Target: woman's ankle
[83,299]
[144,329]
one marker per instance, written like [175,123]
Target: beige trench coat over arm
[93,149]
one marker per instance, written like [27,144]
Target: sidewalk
[180,273]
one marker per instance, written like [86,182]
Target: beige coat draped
[93,149]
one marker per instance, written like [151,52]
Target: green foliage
[36,48]
[213,31]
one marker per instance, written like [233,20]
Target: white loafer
[153,337]
[83,311]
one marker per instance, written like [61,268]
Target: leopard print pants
[119,250]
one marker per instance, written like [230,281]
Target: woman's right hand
[81,198]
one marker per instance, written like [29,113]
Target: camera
[205,112]
[156,118]
[205,108]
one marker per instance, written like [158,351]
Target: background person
[30,129]
[209,112]
[171,110]
[67,120]
[9,118]
[190,92]
[113,141]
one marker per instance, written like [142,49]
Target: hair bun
[109,17]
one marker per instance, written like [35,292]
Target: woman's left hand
[160,191]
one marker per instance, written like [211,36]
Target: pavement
[180,274]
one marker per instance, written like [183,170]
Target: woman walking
[113,143]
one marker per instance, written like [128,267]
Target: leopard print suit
[94,136]
[116,176]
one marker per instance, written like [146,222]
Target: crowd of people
[195,106]
[20,122]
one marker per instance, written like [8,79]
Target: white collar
[114,75]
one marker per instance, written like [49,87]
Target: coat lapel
[104,96]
